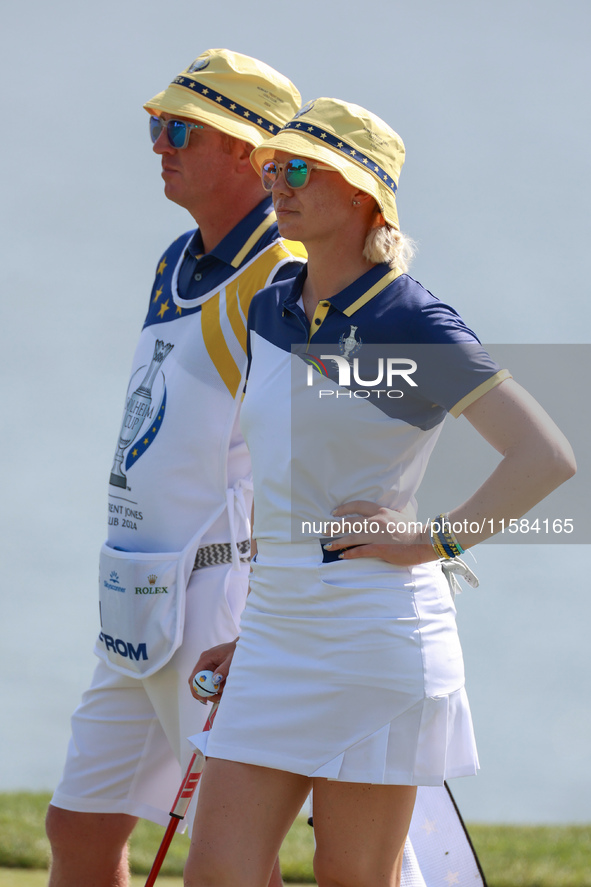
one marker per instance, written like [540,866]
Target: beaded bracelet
[436,542]
[449,535]
[444,542]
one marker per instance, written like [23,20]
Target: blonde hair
[386,244]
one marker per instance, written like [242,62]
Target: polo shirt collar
[238,243]
[354,296]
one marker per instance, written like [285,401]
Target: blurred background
[492,101]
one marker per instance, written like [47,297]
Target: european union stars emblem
[162,307]
[140,446]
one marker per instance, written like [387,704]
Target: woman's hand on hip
[380,532]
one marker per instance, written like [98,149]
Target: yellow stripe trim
[378,287]
[256,235]
[474,395]
[234,315]
[322,308]
[217,348]
[296,248]
[234,308]
[255,277]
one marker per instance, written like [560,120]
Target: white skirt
[349,670]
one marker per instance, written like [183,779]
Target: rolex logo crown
[152,579]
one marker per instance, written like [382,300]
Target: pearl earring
[356,203]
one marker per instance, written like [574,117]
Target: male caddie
[173,572]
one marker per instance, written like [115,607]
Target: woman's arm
[537,458]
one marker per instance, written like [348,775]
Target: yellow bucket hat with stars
[234,93]
[364,149]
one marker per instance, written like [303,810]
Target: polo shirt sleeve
[453,368]
[456,374]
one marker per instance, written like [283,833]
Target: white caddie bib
[181,464]
[142,607]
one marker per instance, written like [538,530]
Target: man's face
[195,176]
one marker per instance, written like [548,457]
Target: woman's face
[318,211]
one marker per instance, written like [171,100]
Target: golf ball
[204,685]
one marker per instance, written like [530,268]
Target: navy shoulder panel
[407,312]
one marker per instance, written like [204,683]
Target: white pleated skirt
[349,670]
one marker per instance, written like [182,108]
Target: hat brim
[309,147]
[176,100]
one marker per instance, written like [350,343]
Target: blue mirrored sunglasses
[296,172]
[177,131]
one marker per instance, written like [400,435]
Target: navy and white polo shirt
[350,406]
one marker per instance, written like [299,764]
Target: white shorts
[129,748]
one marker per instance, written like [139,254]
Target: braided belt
[220,553]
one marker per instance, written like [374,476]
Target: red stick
[181,803]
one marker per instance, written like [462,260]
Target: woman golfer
[348,675]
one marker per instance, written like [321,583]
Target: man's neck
[216,224]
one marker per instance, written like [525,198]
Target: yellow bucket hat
[367,153]
[234,93]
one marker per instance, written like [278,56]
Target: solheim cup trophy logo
[349,344]
[136,410]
